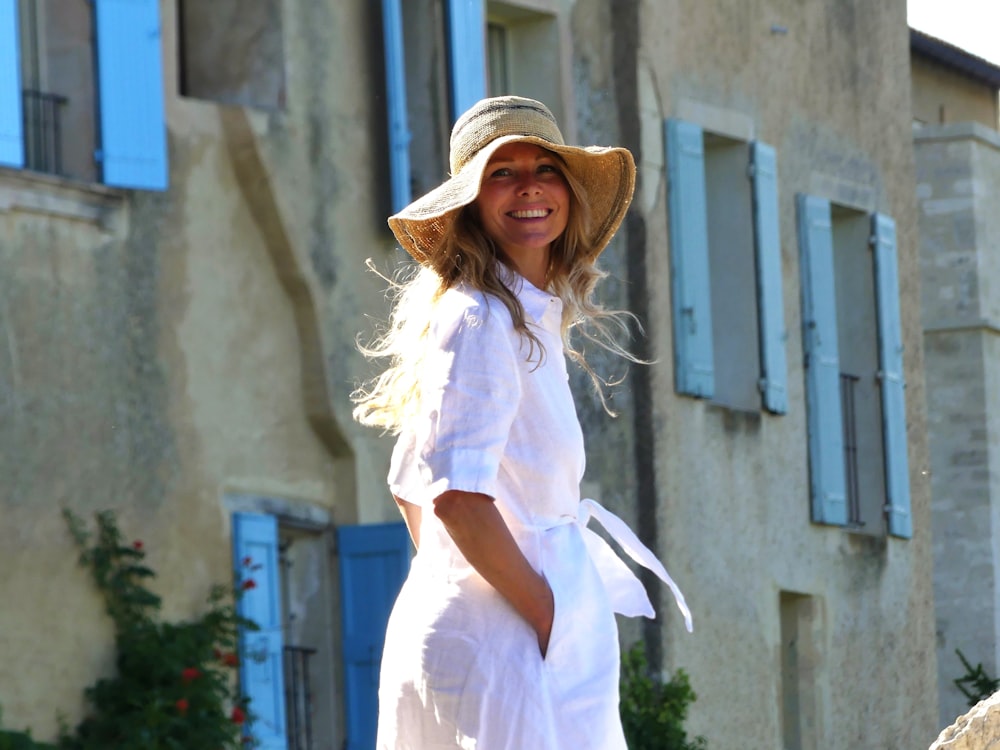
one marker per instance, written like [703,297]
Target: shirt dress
[460,668]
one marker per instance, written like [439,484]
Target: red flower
[247,561]
[190,674]
[137,545]
[182,706]
[248,584]
[231,659]
[238,716]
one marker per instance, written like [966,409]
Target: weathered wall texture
[958,186]
[941,96]
[163,351]
[827,84]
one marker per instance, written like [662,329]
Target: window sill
[50,195]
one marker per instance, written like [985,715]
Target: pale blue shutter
[374,560]
[11,135]
[466,53]
[694,372]
[255,551]
[133,151]
[395,88]
[819,321]
[891,377]
[770,299]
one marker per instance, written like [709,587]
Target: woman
[503,637]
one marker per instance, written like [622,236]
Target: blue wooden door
[374,560]
[255,552]
[466,53]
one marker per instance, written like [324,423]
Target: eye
[501,172]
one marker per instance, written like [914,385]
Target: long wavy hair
[469,256]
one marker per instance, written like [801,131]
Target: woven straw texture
[606,174]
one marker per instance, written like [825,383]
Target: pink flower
[238,716]
[247,561]
[137,545]
[248,584]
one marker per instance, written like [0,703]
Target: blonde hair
[469,256]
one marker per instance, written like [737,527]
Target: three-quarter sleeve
[470,393]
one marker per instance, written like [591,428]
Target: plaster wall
[827,84]
[942,95]
[958,181]
[163,351]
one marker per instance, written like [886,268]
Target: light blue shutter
[262,677]
[11,135]
[466,53]
[694,372]
[395,88]
[374,560]
[770,300]
[133,149]
[819,320]
[890,337]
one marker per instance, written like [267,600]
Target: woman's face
[524,203]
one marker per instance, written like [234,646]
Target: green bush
[174,687]
[10,740]
[653,712]
[975,684]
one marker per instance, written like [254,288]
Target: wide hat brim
[607,176]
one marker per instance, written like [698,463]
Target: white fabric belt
[627,594]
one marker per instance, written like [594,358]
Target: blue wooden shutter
[133,151]
[694,372]
[891,377]
[395,88]
[770,300]
[255,551]
[466,53]
[11,135]
[819,321]
[374,560]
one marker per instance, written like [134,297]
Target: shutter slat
[819,321]
[692,310]
[466,53]
[770,298]
[130,84]
[255,539]
[395,86]
[11,123]
[374,560]
[897,469]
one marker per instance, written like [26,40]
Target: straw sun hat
[607,174]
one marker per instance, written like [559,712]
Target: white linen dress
[461,669]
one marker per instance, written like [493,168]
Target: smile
[532,213]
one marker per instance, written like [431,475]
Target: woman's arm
[411,515]
[481,534]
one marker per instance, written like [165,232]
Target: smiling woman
[504,634]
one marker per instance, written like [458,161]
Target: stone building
[957,147]
[182,278]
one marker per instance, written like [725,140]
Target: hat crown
[498,117]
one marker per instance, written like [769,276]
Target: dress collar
[541,306]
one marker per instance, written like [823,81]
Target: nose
[529,185]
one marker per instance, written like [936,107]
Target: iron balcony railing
[298,696]
[43,131]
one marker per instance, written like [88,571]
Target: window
[287,666]
[725,249]
[441,57]
[81,90]
[231,51]
[852,340]
[524,53]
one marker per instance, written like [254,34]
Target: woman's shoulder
[464,304]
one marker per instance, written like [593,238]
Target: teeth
[534,213]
